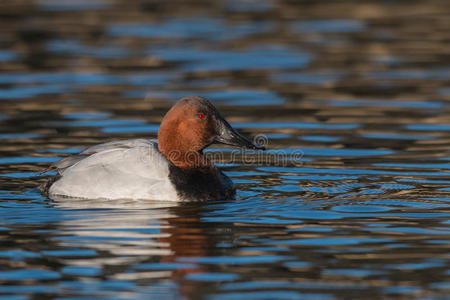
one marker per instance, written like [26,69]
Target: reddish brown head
[191,125]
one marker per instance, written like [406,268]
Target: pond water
[351,201]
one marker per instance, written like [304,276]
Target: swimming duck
[172,168]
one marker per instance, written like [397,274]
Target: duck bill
[227,135]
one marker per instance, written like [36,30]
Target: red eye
[201,116]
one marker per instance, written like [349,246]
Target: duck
[172,167]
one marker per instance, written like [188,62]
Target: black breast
[201,184]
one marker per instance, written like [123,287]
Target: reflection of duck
[172,169]
[108,225]
[144,242]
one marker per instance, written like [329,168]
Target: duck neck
[188,159]
[181,155]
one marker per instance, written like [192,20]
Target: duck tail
[45,187]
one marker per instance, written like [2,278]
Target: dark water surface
[352,201]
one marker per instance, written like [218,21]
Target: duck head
[191,125]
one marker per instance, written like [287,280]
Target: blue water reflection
[255,58]
[184,28]
[329,26]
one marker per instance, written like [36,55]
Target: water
[350,202]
